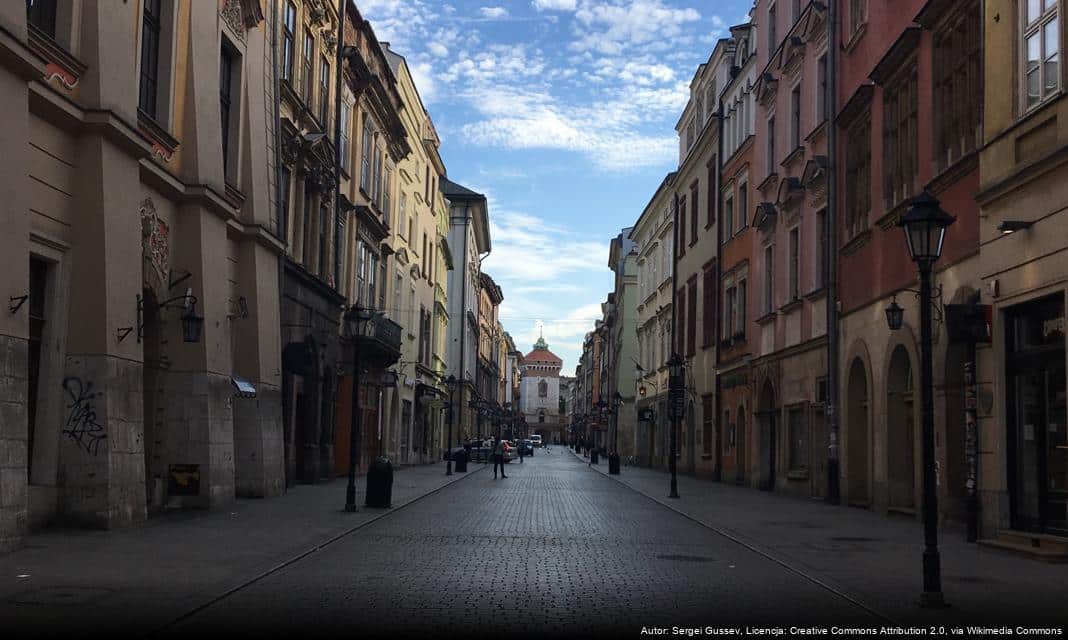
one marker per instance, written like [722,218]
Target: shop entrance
[1037,433]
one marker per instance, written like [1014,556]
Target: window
[821,90]
[739,329]
[712,190]
[411,230]
[346,140]
[858,14]
[708,326]
[682,226]
[1041,42]
[284,179]
[691,317]
[365,154]
[798,448]
[680,318]
[795,118]
[324,235]
[424,256]
[771,145]
[958,77]
[543,389]
[691,134]
[226,82]
[376,177]
[402,215]
[729,312]
[795,264]
[324,90]
[150,37]
[306,217]
[708,436]
[899,138]
[769,278]
[858,175]
[728,215]
[821,249]
[772,39]
[339,243]
[387,190]
[309,53]
[289,39]
[42,14]
[710,100]
[693,216]
[795,10]
[743,204]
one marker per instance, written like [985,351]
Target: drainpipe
[463,320]
[717,275]
[833,491]
[337,137]
[281,218]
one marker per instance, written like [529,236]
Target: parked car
[535,440]
[480,450]
[525,447]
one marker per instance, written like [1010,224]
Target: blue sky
[562,112]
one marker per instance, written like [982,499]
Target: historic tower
[540,392]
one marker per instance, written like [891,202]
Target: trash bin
[380,483]
[593,455]
[613,464]
[459,460]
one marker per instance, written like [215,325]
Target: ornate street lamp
[677,398]
[895,315]
[925,230]
[355,325]
[450,384]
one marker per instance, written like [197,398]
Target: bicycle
[630,461]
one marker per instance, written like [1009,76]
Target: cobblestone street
[554,549]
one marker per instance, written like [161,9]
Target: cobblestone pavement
[556,549]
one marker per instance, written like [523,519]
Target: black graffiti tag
[81,426]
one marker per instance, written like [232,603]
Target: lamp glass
[925,228]
[192,325]
[894,316]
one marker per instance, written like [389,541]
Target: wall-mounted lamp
[1011,226]
[895,315]
[192,324]
[17,302]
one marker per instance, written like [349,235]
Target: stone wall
[13,392]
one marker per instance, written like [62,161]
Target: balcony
[377,340]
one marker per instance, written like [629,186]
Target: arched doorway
[767,413]
[152,400]
[900,432]
[857,443]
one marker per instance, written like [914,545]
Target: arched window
[543,389]
[541,414]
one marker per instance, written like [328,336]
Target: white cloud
[438,49]
[493,13]
[613,28]
[554,5]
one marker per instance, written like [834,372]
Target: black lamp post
[450,383]
[613,457]
[677,398]
[925,230]
[356,320]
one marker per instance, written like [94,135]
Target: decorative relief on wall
[234,17]
[155,246]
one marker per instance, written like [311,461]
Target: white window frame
[1037,28]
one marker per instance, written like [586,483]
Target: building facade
[623,260]
[696,264]
[540,393]
[137,235]
[653,235]
[789,341]
[414,412]
[469,241]
[737,203]
[1022,275]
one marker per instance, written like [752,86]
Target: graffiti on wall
[82,426]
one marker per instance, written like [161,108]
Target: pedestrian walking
[520,445]
[498,457]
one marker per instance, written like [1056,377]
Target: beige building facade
[140,356]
